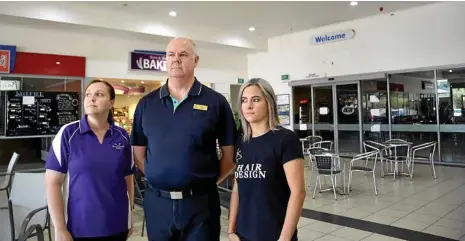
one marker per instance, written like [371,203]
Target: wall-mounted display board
[33,113]
[284,109]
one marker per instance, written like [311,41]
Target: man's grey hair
[270,97]
[191,42]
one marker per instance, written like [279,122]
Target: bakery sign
[148,60]
[8,85]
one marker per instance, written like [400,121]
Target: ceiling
[223,22]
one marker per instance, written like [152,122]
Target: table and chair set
[394,156]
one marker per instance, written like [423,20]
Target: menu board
[39,113]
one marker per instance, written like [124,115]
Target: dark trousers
[194,218]
[117,237]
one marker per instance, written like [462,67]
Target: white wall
[107,51]
[424,37]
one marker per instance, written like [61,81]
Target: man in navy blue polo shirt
[174,136]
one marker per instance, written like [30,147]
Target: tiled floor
[424,204]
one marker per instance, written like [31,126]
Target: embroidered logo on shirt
[200,107]
[118,146]
[238,155]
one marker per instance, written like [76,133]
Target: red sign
[5,61]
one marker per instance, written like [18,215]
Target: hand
[234,237]
[62,234]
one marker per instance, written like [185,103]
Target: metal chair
[310,152]
[310,140]
[5,186]
[383,151]
[27,214]
[373,155]
[327,164]
[432,148]
[323,144]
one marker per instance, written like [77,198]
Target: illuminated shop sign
[148,60]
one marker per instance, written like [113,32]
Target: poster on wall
[37,113]
[284,109]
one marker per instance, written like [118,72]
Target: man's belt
[183,194]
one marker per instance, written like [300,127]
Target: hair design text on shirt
[252,171]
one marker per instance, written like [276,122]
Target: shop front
[39,93]
[419,107]
[128,93]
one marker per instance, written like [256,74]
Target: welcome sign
[333,37]
[147,60]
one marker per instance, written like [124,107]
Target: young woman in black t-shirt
[269,187]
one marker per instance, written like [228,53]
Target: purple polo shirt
[95,193]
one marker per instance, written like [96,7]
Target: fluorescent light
[353,3]
[173,14]
[251,29]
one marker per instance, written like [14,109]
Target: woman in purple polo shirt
[89,173]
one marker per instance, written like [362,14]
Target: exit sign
[285,77]
[240,81]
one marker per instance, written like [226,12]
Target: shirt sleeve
[227,126]
[57,157]
[129,159]
[138,137]
[292,149]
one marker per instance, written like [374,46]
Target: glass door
[348,117]
[323,112]
[336,115]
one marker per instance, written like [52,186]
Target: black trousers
[117,237]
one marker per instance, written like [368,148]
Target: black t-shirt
[262,185]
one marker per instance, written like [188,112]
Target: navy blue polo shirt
[181,137]
[95,193]
[262,184]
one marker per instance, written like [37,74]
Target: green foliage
[237,119]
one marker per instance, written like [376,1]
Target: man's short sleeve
[137,135]
[57,157]
[227,126]
[129,159]
[292,149]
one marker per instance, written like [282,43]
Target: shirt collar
[195,90]
[84,124]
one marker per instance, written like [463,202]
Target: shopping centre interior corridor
[421,209]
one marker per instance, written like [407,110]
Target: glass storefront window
[451,93]
[413,108]
[418,107]
[374,106]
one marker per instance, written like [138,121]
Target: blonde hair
[270,97]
